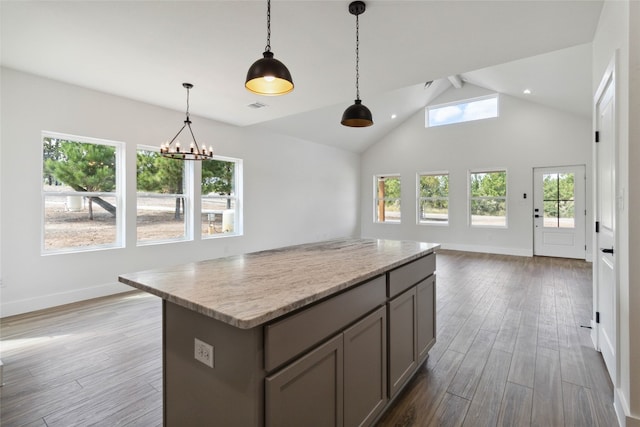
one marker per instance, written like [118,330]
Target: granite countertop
[249,290]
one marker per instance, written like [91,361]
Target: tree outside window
[559,200]
[161,199]
[80,193]
[387,200]
[488,198]
[220,214]
[433,198]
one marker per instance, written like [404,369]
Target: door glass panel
[559,200]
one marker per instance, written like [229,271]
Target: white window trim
[375,198]
[118,194]
[419,199]
[506,198]
[238,220]
[428,109]
[188,203]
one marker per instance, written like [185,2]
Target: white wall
[294,191]
[526,135]
[618,33]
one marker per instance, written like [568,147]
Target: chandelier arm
[193,136]
[181,129]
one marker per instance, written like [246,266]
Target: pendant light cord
[268,47]
[357,57]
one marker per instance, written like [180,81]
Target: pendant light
[268,76]
[193,152]
[357,115]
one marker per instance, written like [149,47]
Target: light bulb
[269,78]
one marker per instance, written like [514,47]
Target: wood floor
[510,351]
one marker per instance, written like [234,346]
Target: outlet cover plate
[203,352]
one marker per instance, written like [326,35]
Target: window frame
[238,223]
[505,197]
[118,194]
[419,199]
[187,195]
[428,108]
[376,200]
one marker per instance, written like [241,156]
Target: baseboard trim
[625,419]
[42,302]
[488,249]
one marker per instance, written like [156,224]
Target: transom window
[433,198]
[81,193]
[488,198]
[462,111]
[387,198]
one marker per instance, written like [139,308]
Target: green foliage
[392,191]
[218,177]
[81,166]
[391,187]
[489,184]
[559,195]
[491,187]
[434,186]
[158,174]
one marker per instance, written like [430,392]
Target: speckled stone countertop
[249,290]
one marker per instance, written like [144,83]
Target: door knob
[536,216]
[607,251]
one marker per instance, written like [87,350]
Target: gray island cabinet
[320,334]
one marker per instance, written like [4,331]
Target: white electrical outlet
[203,352]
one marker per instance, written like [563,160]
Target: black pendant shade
[357,116]
[268,76]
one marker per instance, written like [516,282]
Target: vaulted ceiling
[144,50]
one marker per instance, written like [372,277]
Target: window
[387,199]
[220,197]
[81,193]
[162,204]
[433,198]
[488,198]
[464,111]
[559,200]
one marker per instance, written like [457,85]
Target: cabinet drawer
[402,278]
[292,335]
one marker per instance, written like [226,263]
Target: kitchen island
[324,333]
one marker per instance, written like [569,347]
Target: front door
[559,212]
[604,253]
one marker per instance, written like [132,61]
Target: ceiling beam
[456,81]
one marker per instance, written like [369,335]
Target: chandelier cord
[188,105]
[268,47]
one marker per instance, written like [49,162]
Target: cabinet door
[426,316]
[308,392]
[403,355]
[365,369]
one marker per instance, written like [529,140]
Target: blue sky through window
[478,109]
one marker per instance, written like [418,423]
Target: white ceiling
[144,50]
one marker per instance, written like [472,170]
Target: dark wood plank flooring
[510,348]
[510,351]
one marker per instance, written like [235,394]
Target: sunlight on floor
[24,343]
